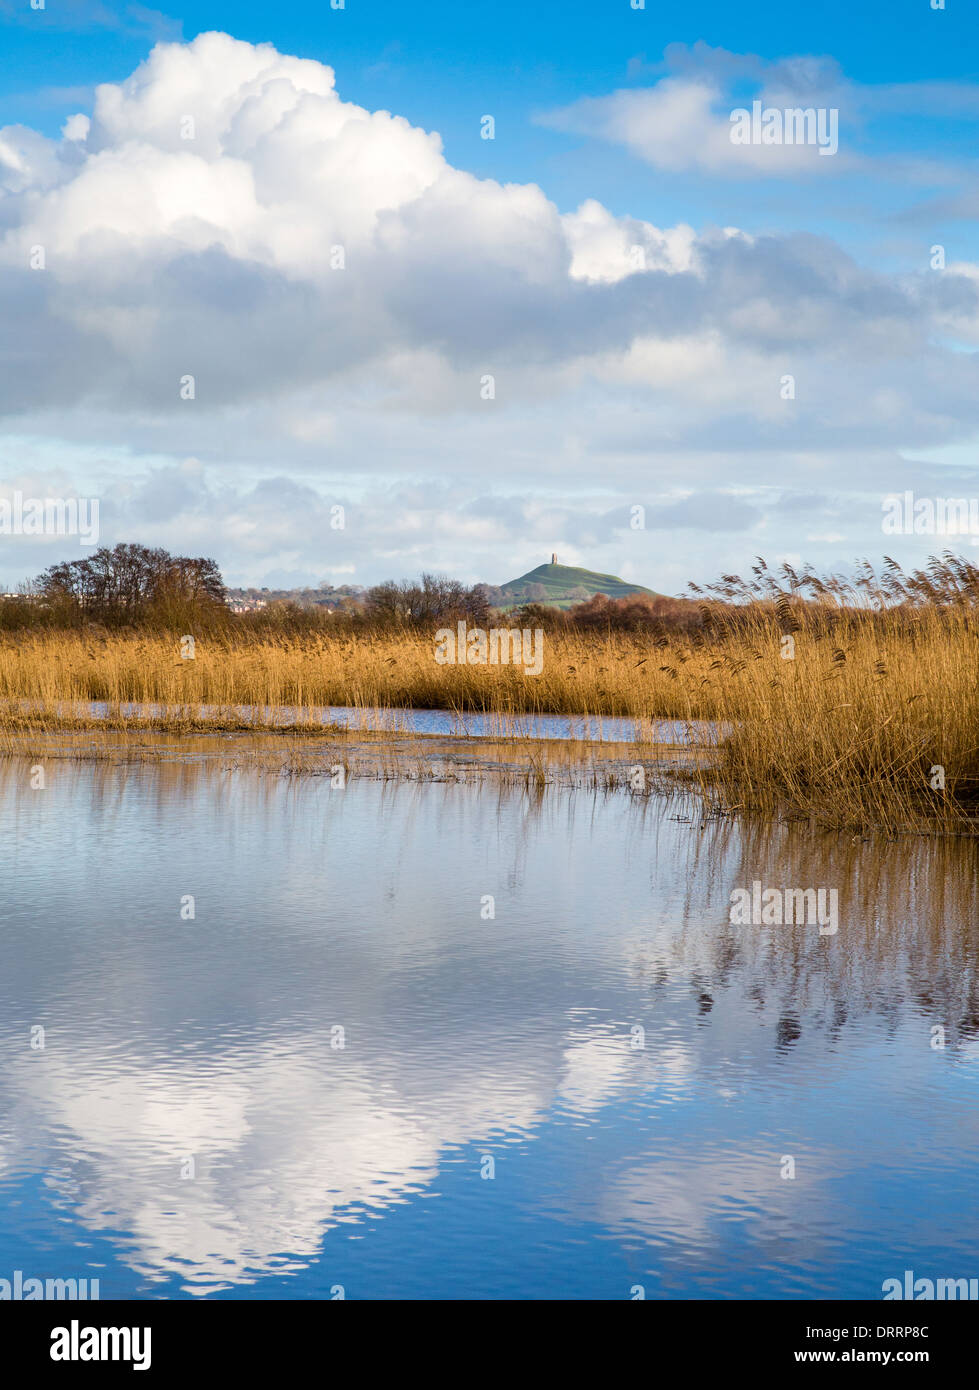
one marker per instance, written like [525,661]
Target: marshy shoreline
[854,709]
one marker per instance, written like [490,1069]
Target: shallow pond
[343,1073]
[470,724]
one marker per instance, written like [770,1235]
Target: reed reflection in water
[465,1037]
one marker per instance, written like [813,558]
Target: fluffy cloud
[683,124]
[682,120]
[339,292]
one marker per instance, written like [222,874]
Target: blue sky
[818,268]
[442,65]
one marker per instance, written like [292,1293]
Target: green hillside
[562,586]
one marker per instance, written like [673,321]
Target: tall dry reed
[859,703]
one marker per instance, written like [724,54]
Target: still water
[343,1073]
[597,728]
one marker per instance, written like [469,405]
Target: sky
[269,293]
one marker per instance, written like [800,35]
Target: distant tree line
[432,600]
[141,586]
[128,583]
[340,596]
[641,613]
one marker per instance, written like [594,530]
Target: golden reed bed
[869,719]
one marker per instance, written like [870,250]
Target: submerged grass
[345,757]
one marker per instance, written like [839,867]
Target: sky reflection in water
[615,1166]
